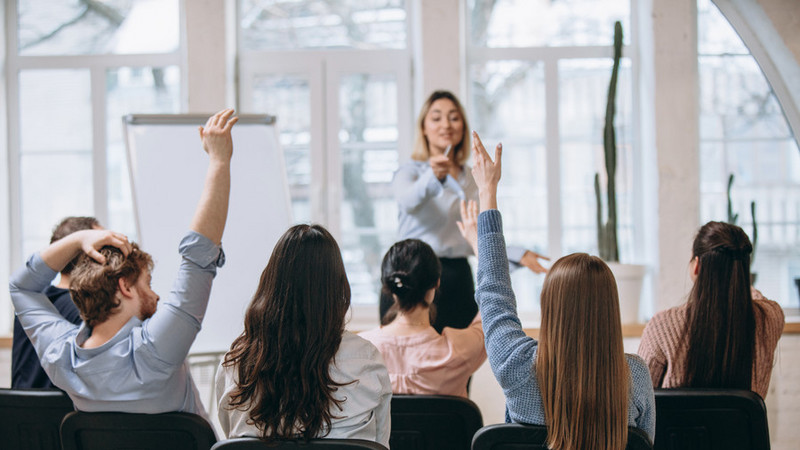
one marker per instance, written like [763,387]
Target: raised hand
[486,172]
[468,226]
[216,135]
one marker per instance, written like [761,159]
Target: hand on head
[216,135]
[486,172]
[93,240]
[468,225]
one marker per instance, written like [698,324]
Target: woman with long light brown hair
[295,372]
[576,379]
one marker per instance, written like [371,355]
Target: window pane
[368,139]
[55,111]
[53,186]
[281,25]
[583,96]
[132,90]
[56,151]
[743,132]
[540,23]
[61,27]
[507,103]
[289,98]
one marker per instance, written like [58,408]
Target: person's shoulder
[640,374]
[354,346]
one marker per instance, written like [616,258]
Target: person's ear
[125,288]
[695,266]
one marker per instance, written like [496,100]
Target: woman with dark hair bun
[295,372]
[420,360]
[725,335]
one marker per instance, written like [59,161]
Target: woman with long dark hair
[420,360]
[428,190]
[576,379]
[295,372]
[725,335]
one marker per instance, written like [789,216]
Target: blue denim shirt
[143,368]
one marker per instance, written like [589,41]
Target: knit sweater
[662,347]
[512,354]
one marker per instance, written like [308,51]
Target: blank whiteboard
[168,168]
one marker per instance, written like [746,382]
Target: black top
[26,371]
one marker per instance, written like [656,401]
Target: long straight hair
[292,331]
[720,325]
[580,366]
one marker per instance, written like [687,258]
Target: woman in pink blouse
[420,360]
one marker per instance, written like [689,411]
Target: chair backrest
[710,419]
[105,430]
[258,444]
[30,418]
[516,436]
[433,422]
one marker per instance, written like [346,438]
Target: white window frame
[97,65]
[324,70]
[550,57]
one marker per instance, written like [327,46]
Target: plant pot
[629,285]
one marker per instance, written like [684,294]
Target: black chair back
[437,422]
[330,444]
[107,430]
[516,436]
[693,419]
[30,418]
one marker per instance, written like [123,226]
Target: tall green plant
[607,232]
[733,217]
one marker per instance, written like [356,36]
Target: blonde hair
[421,151]
[581,368]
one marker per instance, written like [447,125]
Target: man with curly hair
[128,355]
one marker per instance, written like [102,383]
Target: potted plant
[629,276]
[733,217]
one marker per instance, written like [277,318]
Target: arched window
[743,132]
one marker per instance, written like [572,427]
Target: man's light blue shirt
[143,368]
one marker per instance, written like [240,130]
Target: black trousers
[454,304]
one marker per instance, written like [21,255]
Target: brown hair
[68,226]
[719,338]
[421,151]
[94,286]
[580,366]
[292,331]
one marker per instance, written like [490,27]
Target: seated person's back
[26,370]
[420,360]
[294,371]
[129,355]
[685,346]
[577,367]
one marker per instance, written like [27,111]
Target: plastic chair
[433,422]
[109,430]
[30,418]
[691,419]
[257,444]
[516,436]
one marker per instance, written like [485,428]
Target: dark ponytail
[410,269]
[720,324]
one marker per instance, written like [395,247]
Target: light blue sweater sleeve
[511,352]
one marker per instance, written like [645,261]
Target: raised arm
[510,351]
[212,211]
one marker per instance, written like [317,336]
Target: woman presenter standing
[429,190]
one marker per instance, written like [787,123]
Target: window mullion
[99,164]
[553,150]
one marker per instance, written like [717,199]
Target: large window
[538,74]
[75,69]
[743,132]
[337,76]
